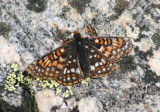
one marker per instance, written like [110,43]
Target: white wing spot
[77,71]
[64,80]
[73,78]
[74,60]
[92,50]
[48,69]
[55,55]
[92,68]
[105,42]
[86,46]
[95,55]
[103,60]
[96,65]
[73,70]
[114,52]
[57,72]
[68,71]
[42,70]
[118,50]
[65,70]
[62,59]
[68,78]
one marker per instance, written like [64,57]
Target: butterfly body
[80,58]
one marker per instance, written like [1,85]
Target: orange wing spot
[98,56]
[109,41]
[67,64]
[120,40]
[69,84]
[107,53]
[45,77]
[113,68]
[59,81]
[46,72]
[32,74]
[51,56]
[60,66]
[64,77]
[106,65]
[40,62]
[121,52]
[51,74]
[73,75]
[98,69]
[55,63]
[101,41]
[58,52]
[118,56]
[96,40]
[100,75]
[50,64]
[75,82]
[102,67]
[109,48]
[119,44]
[105,74]
[94,76]
[114,47]
[56,75]
[110,72]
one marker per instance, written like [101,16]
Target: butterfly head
[77,35]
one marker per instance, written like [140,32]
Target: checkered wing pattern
[113,48]
[59,65]
[105,52]
[100,65]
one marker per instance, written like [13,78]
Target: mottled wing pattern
[71,73]
[100,65]
[105,52]
[113,48]
[59,65]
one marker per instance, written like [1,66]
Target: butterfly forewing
[113,48]
[50,65]
[60,65]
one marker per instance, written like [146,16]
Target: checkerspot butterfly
[80,58]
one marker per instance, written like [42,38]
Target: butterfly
[80,58]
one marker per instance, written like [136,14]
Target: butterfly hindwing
[100,65]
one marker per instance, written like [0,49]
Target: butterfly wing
[113,47]
[60,65]
[105,52]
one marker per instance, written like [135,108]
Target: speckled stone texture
[31,28]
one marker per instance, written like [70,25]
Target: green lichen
[15,78]
[85,81]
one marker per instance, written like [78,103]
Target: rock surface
[29,29]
